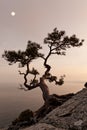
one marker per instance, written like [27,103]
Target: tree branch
[48,67]
[34,83]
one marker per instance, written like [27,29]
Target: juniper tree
[57,42]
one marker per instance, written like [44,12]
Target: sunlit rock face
[72,115]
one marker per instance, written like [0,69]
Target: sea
[14,100]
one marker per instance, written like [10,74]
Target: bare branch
[48,67]
[23,88]
[34,83]
[21,73]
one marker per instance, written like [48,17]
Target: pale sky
[33,20]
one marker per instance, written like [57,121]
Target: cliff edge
[72,115]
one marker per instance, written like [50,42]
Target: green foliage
[26,115]
[58,41]
[32,50]
[23,57]
[34,71]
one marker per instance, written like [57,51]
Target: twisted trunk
[42,84]
[44,88]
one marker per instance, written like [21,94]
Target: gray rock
[72,115]
[42,126]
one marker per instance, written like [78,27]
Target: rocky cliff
[72,115]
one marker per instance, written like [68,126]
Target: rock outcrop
[42,126]
[53,102]
[72,115]
[28,118]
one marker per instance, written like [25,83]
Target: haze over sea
[13,100]
[33,20]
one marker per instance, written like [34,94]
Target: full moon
[13,13]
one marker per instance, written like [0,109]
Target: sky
[34,19]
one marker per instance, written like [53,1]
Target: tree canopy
[58,43]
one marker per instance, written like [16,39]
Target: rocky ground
[27,117]
[70,115]
[42,126]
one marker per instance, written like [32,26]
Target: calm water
[13,100]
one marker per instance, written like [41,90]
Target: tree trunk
[44,88]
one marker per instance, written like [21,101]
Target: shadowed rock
[71,115]
[27,117]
